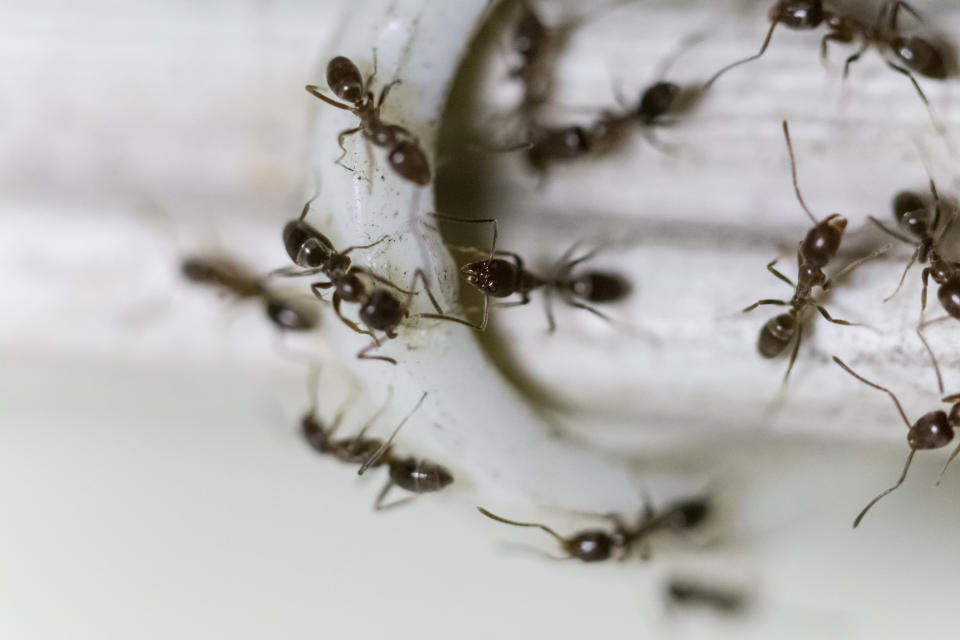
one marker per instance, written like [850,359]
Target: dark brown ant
[499,278]
[816,250]
[912,215]
[687,592]
[232,277]
[912,53]
[597,545]
[931,431]
[403,149]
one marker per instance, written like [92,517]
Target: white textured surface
[153,482]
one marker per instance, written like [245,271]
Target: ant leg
[947,464]
[379,279]
[903,276]
[315,91]
[524,299]
[760,302]
[903,476]
[778,274]
[548,309]
[898,236]
[362,354]
[763,48]
[793,354]
[515,523]
[913,81]
[385,92]
[340,138]
[859,261]
[793,172]
[350,323]
[493,221]
[894,8]
[386,445]
[875,386]
[586,307]
[923,292]
[379,506]
[926,345]
[830,318]
[316,287]
[293,272]
[363,246]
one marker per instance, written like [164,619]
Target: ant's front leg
[384,92]
[778,274]
[923,292]
[317,287]
[340,138]
[350,323]
[362,354]
[766,301]
[830,318]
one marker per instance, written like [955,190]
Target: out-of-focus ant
[597,545]
[912,215]
[911,54]
[500,278]
[403,149]
[687,593]
[932,430]
[816,250]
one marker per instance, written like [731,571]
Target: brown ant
[912,214]
[499,278]
[687,592]
[816,250]
[912,53]
[597,545]
[403,149]
[232,277]
[931,431]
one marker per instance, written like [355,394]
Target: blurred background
[152,477]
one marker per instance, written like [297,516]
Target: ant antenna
[875,386]
[386,445]
[535,525]
[903,477]
[926,345]
[793,171]
[763,48]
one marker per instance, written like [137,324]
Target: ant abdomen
[590,546]
[823,240]
[410,162]
[920,56]
[600,287]
[288,316]
[306,246]
[689,514]
[381,311]
[798,14]
[776,335]
[418,475]
[344,79]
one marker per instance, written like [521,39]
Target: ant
[232,277]
[912,53]
[597,545]
[816,250]
[404,152]
[931,431]
[686,592]
[499,278]
[912,214]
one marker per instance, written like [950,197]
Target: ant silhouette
[403,149]
[598,545]
[816,250]
[499,278]
[932,430]
[913,54]
[912,215]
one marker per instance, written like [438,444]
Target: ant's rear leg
[340,138]
[765,301]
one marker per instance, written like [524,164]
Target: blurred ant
[232,277]
[687,592]
[403,149]
[913,54]
[816,250]
[912,214]
[931,431]
[499,278]
[597,545]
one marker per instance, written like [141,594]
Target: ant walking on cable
[816,250]
[403,149]
[932,430]
[913,54]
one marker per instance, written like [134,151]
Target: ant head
[289,317]
[949,292]
[590,546]
[381,311]
[314,432]
[798,14]
[350,287]
[657,100]
[496,278]
[307,247]
[932,431]
[920,56]
[776,335]
[419,476]
[528,33]
[911,213]
[344,79]
[408,159]
[823,240]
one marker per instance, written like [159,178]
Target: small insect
[403,149]
[499,278]
[932,430]
[912,214]
[816,250]
[233,278]
[910,54]
[687,592]
[597,545]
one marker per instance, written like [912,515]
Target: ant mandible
[403,149]
[912,215]
[932,430]
[913,53]
[597,545]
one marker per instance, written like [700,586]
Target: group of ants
[384,306]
